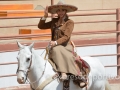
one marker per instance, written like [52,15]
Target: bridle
[25,71]
[28,70]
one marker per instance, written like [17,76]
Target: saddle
[82,67]
[83,70]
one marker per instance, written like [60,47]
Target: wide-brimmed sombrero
[60,5]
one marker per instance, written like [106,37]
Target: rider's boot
[63,76]
[83,82]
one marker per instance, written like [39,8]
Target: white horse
[32,66]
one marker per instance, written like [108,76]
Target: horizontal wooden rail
[32,11]
[112,66]
[81,14]
[97,21]
[22,36]
[37,11]
[103,55]
[8,63]
[40,35]
[97,9]
[75,23]
[11,75]
[84,45]
[24,17]
[18,26]
[95,32]
[94,13]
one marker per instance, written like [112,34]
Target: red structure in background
[118,40]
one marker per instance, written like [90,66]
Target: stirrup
[79,82]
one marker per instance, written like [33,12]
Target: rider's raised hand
[46,12]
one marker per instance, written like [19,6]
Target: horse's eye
[28,59]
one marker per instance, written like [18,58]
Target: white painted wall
[82,51]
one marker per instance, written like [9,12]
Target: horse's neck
[37,68]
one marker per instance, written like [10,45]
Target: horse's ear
[31,46]
[19,45]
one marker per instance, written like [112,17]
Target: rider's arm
[44,25]
[67,33]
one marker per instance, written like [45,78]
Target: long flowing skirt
[64,59]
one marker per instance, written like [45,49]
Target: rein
[25,71]
[28,70]
[47,52]
[40,76]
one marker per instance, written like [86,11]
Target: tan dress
[63,56]
[64,59]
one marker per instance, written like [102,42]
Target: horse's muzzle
[21,80]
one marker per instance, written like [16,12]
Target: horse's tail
[107,86]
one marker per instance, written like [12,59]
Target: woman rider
[61,29]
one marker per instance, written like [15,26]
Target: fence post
[118,39]
[52,3]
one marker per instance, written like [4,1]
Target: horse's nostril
[22,78]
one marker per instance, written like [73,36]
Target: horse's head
[24,62]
